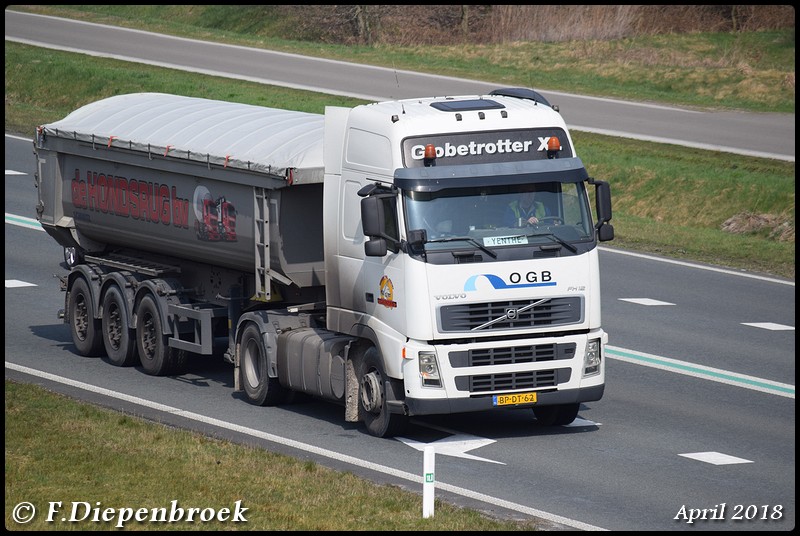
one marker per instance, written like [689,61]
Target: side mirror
[605,231]
[603,201]
[379,223]
[417,237]
[372,217]
[375,247]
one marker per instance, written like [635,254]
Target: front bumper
[417,406]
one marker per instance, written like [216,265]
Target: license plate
[516,398]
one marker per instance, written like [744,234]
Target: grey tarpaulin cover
[265,140]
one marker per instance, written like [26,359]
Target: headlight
[429,370]
[592,357]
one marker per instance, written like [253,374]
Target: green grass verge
[58,449]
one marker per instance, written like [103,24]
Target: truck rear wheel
[373,402]
[85,329]
[558,415]
[155,354]
[261,390]
[117,337]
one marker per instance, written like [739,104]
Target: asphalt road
[699,408]
[686,377]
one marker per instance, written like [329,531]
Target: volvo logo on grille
[511,313]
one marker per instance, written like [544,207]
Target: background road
[699,407]
[770,135]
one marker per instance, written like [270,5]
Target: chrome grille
[480,357]
[490,383]
[552,312]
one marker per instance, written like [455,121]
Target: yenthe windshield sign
[485,147]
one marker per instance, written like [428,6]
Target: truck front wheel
[155,354]
[373,402]
[85,329]
[117,337]
[261,390]
[558,415]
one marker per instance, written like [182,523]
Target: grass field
[76,452]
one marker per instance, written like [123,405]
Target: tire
[372,405]
[118,338]
[85,328]
[155,355]
[260,389]
[559,415]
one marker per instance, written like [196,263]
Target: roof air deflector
[466,105]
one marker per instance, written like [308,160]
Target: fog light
[591,359]
[429,370]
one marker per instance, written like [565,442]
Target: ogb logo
[516,280]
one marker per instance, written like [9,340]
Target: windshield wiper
[472,241]
[555,239]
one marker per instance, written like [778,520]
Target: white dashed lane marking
[15,283]
[645,301]
[715,458]
[772,326]
[769,325]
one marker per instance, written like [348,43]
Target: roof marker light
[553,146]
[429,160]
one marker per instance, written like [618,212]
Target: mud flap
[351,392]
[236,381]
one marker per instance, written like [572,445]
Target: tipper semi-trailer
[378,256]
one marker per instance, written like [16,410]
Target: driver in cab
[526,210]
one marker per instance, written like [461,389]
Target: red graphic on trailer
[215,220]
[138,199]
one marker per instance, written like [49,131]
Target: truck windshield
[503,216]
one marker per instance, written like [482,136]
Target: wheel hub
[371,392]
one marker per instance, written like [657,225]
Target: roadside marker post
[429,481]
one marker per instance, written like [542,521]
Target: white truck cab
[470,306]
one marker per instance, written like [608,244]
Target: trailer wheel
[155,354]
[558,415]
[374,410]
[261,390]
[117,337]
[85,329]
